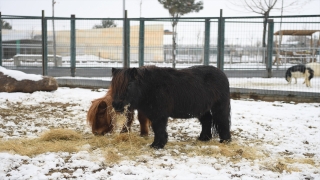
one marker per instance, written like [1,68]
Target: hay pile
[60,134]
[55,140]
[130,146]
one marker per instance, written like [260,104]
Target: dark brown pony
[101,114]
[197,92]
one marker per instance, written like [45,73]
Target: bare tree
[178,8]
[264,7]
[105,24]
[5,25]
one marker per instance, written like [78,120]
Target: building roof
[296,32]
[13,35]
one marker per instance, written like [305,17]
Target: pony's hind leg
[159,126]
[206,122]
[221,121]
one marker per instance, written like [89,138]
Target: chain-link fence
[241,46]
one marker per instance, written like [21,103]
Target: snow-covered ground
[283,138]
[281,134]
[275,84]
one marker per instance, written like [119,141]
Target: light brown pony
[101,113]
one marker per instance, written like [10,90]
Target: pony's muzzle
[118,106]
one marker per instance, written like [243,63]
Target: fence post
[141,43]
[0,40]
[73,45]
[125,41]
[220,53]
[206,42]
[44,45]
[270,47]
[128,42]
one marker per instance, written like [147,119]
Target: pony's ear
[114,71]
[134,73]
[102,105]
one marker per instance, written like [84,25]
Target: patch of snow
[19,76]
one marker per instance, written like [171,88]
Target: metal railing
[233,44]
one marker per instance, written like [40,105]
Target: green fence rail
[233,44]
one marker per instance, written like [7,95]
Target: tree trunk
[264,44]
[174,45]
[265,20]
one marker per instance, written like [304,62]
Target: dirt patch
[20,119]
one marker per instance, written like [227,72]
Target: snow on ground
[286,134]
[276,84]
[18,75]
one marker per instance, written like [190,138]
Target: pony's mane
[119,81]
[121,78]
[91,114]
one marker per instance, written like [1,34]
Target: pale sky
[149,8]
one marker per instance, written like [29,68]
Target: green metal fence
[71,47]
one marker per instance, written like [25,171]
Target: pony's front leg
[159,127]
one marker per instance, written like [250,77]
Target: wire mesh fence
[152,41]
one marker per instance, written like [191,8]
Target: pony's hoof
[156,146]
[144,134]
[204,138]
[225,141]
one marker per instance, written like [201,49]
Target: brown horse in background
[101,113]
